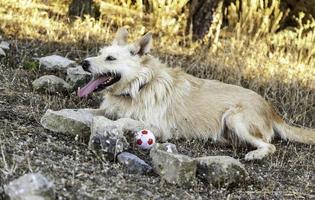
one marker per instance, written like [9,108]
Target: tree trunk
[83,7]
[200,17]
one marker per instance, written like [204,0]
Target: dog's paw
[255,155]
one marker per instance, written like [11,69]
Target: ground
[79,173]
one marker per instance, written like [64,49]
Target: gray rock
[4,45]
[220,170]
[168,147]
[1,192]
[133,163]
[2,53]
[51,84]
[30,187]
[77,76]
[173,167]
[107,136]
[55,62]
[75,122]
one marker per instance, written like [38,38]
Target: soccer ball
[145,139]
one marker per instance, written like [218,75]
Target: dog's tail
[292,133]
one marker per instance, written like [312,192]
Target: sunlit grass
[287,55]
[250,43]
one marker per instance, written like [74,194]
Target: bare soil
[79,173]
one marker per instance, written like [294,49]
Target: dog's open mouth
[98,83]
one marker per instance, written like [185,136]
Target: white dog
[138,86]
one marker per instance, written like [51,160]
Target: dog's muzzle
[86,65]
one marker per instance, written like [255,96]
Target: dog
[137,85]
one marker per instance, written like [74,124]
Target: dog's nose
[85,65]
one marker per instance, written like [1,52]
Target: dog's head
[117,64]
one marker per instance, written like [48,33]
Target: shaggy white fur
[180,105]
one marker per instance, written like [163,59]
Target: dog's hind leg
[237,123]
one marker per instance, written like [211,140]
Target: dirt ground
[80,174]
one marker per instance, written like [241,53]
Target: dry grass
[250,40]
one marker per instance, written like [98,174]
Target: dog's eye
[110,58]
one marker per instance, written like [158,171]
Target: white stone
[30,186]
[107,136]
[220,170]
[55,62]
[72,121]
[2,53]
[4,45]
[174,168]
[51,84]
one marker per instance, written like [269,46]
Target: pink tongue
[91,86]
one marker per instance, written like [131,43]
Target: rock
[107,136]
[220,170]
[30,186]
[4,45]
[173,167]
[2,53]
[77,76]
[51,84]
[168,147]
[55,62]
[75,122]
[133,163]
[1,192]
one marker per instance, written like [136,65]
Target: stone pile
[183,170]
[112,140]
[75,75]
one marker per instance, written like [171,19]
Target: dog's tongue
[91,86]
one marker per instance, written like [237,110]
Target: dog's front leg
[99,112]
[135,126]
[96,112]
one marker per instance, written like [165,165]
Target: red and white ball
[145,139]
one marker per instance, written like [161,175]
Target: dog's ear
[121,37]
[143,45]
